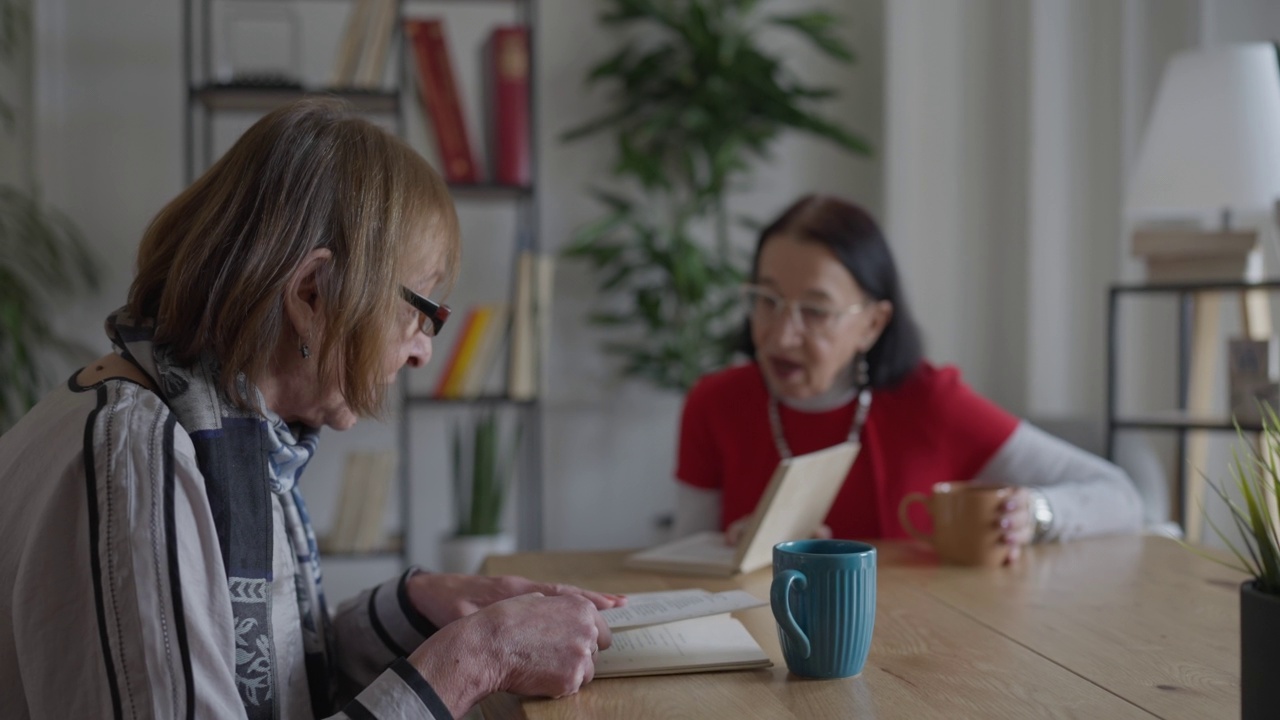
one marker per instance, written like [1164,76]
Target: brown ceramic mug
[965,529]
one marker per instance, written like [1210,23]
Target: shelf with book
[367,53]
[1195,414]
[248,98]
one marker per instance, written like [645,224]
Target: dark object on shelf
[265,80]
[262,98]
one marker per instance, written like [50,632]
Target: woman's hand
[1013,517]
[443,598]
[529,645]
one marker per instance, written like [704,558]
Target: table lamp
[1211,147]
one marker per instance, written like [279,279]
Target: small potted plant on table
[1253,537]
[481,482]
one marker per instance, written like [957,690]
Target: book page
[796,501]
[655,608]
[703,644]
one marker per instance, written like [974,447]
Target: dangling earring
[306,351]
[862,372]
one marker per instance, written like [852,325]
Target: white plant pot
[465,553]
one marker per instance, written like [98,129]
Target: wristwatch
[1041,514]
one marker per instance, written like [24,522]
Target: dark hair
[855,239]
[213,264]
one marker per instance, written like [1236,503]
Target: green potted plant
[483,466]
[696,98]
[1253,539]
[43,257]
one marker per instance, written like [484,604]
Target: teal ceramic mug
[824,599]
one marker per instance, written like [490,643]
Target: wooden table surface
[1114,628]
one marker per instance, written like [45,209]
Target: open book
[683,631]
[796,501]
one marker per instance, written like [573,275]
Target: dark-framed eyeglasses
[433,313]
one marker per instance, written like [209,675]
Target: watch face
[1041,513]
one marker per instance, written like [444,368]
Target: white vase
[465,553]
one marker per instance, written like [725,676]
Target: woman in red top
[832,341]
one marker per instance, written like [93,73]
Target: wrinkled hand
[443,598]
[529,645]
[1013,517]
[734,532]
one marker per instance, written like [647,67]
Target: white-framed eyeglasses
[767,306]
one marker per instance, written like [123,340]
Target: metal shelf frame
[1178,422]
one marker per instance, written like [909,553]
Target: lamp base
[1180,255]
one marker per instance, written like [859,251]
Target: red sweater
[930,428]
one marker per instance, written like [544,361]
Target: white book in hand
[796,501]
[704,644]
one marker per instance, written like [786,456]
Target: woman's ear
[878,317]
[303,305]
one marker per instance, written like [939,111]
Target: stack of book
[471,368]
[360,517]
[366,42]
[491,332]
[507,80]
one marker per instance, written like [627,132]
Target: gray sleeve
[399,693]
[697,510]
[376,627]
[1088,495]
[375,632]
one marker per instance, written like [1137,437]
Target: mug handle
[780,601]
[903,506]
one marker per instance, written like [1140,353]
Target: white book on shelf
[346,516]
[373,61]
[375,485]
[352,44]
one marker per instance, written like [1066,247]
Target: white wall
[1002,179]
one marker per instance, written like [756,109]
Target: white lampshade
[1213,138]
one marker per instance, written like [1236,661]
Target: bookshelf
[218,107]
[1181,420]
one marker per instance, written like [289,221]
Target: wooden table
[1114,628]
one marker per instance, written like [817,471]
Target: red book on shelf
[509,64]
[440,96]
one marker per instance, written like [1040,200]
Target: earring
[862,372]
[306,351]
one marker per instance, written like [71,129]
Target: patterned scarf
[246,458]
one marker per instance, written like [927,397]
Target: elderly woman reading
[155,550]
